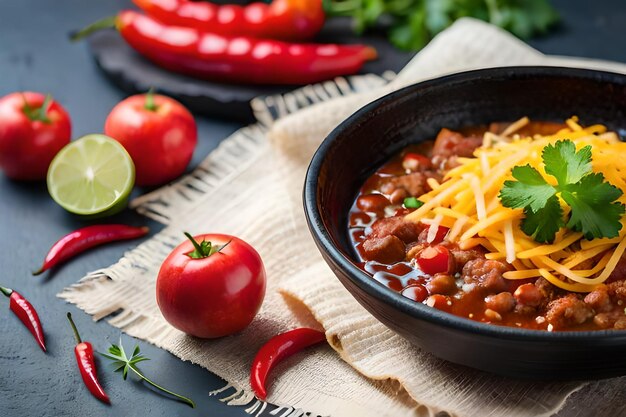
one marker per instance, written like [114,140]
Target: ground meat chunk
[613,319]
[568,311]
[388,249]
[397,226]
[486,274]
[441,284]
[617,290]
[461,257]
[450,144]
[548,290]
[415,184]
[599,300]
[502,303]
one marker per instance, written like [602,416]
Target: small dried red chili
[237,59]
[27,314]
[88,237]
[275,350]
[289,20]
[87,365]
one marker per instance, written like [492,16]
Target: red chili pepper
[289,20]
[88,237]
[27,315]
[434,260]
[87,365]
[275,350]
[233,59]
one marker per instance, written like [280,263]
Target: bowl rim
[392,298]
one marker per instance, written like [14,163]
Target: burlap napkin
[250,187]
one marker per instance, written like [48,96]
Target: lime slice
[92,176]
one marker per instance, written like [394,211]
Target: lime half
[92,176]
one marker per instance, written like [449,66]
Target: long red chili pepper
[87,365]
[288,20]
[82,239]
[275,350]
[27,314]
[233,59]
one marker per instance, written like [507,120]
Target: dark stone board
[133,73]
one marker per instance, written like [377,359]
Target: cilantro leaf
[593,211]
[543,224]
[564,163]
[530,190]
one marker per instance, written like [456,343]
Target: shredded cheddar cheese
[467,202]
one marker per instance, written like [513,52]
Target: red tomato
[415,162]
[158,132]
[442,231]
[216,294]
[434,260]
[30,136]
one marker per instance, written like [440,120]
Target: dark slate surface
[35,55]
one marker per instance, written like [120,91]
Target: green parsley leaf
[564,163]
[543,224]
[593,211]
[530,190]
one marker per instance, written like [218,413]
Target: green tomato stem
[150,105]
[201,252]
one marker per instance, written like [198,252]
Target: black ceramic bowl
[376,132]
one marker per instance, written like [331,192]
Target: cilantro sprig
[123,363]
[594,211]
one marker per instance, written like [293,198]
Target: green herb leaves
[594,211]
[123,363]
[412,23]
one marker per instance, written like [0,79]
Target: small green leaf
[530,189]
[564,163]
[543,224]
[594,212]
